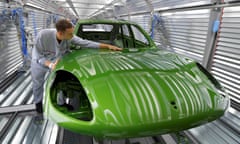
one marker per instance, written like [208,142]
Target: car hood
[139,87]
[99,62]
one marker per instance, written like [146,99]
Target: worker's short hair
[63,24]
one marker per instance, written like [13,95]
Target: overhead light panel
[32,5]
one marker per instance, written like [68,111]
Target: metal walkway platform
[19,123]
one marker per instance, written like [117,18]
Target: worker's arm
[42,51]
[91,44]
[51,65]
[108,46]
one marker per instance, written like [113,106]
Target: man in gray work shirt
[50,45]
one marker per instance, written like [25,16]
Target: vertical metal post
[215,15]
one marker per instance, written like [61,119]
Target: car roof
[104,21]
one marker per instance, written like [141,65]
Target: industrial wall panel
[2,6]
[44,5]
[170,4]
[142,20]
[10,50]
[136,6]
[132,7]
[37,19]
[50,6]
[231,0]
[185,31]
[226,59]
[43,12]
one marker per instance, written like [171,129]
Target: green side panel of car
[135,92]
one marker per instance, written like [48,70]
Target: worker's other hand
[52,65]
[112,47]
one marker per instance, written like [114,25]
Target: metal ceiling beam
[107,5]
[83,7]
[72,7]
[79,2]
[83,15]
[85,3]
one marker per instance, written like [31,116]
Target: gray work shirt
[47,47]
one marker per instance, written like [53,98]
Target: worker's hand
[53,65]
[112,47]
[108,46]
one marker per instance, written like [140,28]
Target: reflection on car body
[140,91]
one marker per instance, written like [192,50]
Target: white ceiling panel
[86,9]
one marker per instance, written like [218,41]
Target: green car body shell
[136,92]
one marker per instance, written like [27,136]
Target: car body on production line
[139,91]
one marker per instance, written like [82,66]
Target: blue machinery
[13,15]
[19,12]
[156,20]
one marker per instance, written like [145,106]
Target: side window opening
[140,39]
[124,37]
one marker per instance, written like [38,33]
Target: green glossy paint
[138,92]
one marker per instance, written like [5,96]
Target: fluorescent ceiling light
[29,4]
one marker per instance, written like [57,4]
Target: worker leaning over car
[49,46]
